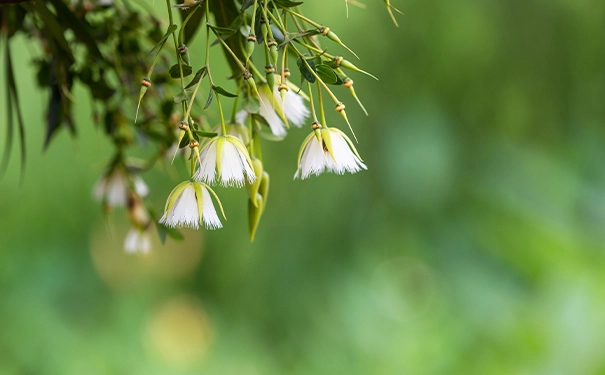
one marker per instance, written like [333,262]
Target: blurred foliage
[473,245]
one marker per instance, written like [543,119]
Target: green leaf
[185,141]
[223,31]
[173,233]
[286,3]
[160,44]
[209,100]
[304,68]
[247,4]
[175,71]
[199,75]
[223,92]
[328,75]
[205,134]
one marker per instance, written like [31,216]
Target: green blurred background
[474,244]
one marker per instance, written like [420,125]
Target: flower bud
[272,49]
[254,215]
[257,166]
[264,188]
[269,74]
[250,44]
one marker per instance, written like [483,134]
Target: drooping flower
[275,112]
[226,159]
[327,149]
[189,205]
[114,186]
[137,241]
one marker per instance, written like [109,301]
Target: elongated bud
[340,62]
[269,75]
[257,166]
[264,188]
[348,83]
[254,215]
[250,44]
[272,50]
[325,31]
[250,82]
[264,28]
[145,84]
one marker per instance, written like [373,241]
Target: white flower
[137,241]
[294,107]
[225,158]
[113,188]
[328,150]
[189,205]
[275,112]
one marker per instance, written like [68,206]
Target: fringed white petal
[346,160]
[209,215]
[278,128]
[184,212]
[235,169]
[293,107]
[316,159]
[207,168]
[313,160]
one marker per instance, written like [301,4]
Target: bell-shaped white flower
[294,107]
[137,241]
[189,205]
[275,112]
[225,158]
[114,186]
[328,149]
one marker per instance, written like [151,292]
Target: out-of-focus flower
[327,149]
[189,205]
[275,112]
[114,186]
[225,158]
[137,241]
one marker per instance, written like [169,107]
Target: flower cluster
[266,43]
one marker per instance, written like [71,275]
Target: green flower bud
[254,215]
[257,166]
[250,44]
[264,188]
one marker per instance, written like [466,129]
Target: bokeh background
[474,244]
